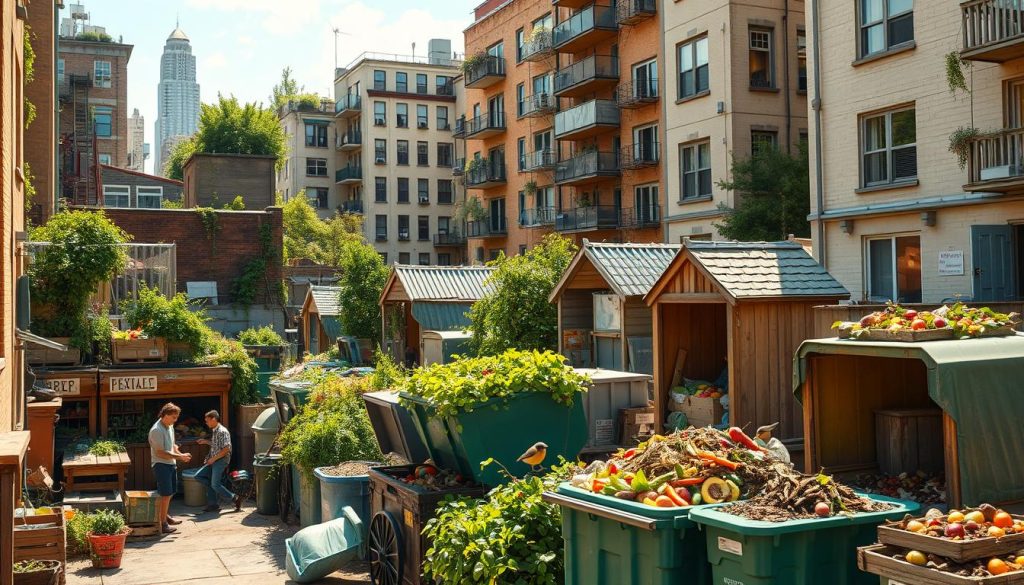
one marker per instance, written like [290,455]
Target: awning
[37,340]
[332,327]
[441,316]
[316,121]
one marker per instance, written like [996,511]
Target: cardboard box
[700,412]
[638,424]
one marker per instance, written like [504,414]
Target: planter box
[45,541]
[955,550]
[129,351]
[878,560]
[38,355]
[700,412]
[179,351]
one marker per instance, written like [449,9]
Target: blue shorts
[166,479]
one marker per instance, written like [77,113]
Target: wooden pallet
[142,531]
[41,544]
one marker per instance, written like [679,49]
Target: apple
[939,323]
[910,314]
[867,321]
[823,510]
[972,526]
[954,530]
[918,325]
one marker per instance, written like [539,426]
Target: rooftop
[395,58]
[462,284]
[327,299]
[628,269]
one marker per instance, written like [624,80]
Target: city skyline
[178,97]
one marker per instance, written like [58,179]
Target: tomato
[1002,520]
[597,485]
[629,453]
[612,469]
[997,566]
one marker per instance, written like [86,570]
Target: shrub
[386,372]
[107,522]
[78,528]
[176,319]
[228,352]
[104,448]
[260,336]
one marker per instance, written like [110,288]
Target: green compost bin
[263,384]
[268,357]
[289,397]
[502,431]
[268,483]
[617,542]
[797,552]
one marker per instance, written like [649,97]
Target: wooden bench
[78,467]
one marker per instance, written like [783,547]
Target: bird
[765,433]
[535,455]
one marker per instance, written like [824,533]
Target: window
[401,82]
[496,215]
[894,269]
[403,257]
[101,76]
[695,164]
[316,135]
[380,113]
[423,228]
[403,152]
[801,60]
[380,80]
[889,147]
[316,167]
[442,117]
[403,190]
[497,50]
[645,204]
[421,83]
[444,155]
[422,115]
[521,100]
[424,258]
[403,228]
[521,152]
[761,71]
[317,197]
[402,115]
[60,70]
[645,79]
[104,159]
[444,191]
[422,155]
[444,259]
[444,225]
[102,119]
[382,227]
[693,68]
[542,84]
[380,189]
[885,24]
[380,151]
[117,196]
[760,140]
[442,85]
[423,190]
[519,45]
[494,253]
[149,197]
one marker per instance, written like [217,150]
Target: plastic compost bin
[797,552]
[393,426]
[289,397]
[268,357]
[265,429]
[263,383]
[460,442]
[268,483]
[308,498]
[618,542]
[337,493]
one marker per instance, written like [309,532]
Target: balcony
[641,217]
[995,162]
[640,156]
[585,120]
[636,93]
[587,76]
[348,175]
[573,4]
[493,227]
[993,30]
[593,217]
[537,217]
[539,46]
[351,140]
[586,28]
[459,167]
[485,174]
[587,167]
[539,160]
[348,106]
[630,12]
[449,240]
[352,206]
[483,71]
[485,125]
[537,105]
[460,128]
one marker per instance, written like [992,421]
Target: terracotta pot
[45,576]
[107,549]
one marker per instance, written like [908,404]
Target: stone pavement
[229,549]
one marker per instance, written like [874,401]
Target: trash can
[338,492]
[195,492]
[309,498]
[267,357]
[263,383]
[393,426]
[795,552]
[265,429]
[289,397]
[268,483]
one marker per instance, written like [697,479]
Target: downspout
[819,182]
[785,69]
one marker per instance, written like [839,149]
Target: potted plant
[960,143]
[470,63]
[265,345]
[530,187]
[106,539]
[135,345]
[36,572]
[176,320]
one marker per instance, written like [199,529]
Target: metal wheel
[385,550]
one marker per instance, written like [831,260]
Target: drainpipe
[785,69]
[819,183]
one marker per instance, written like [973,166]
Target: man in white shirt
[165,456]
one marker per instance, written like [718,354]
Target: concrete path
[241,548]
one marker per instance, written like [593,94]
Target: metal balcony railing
[992,30]
[584,71]
[641,217]
[352,206]
[539,160]
[538,104]
[640,155]
[539,46]
[592,114]
[537,216]
[484,72]
[452,239]
[586,165]
[348,174]
[588,218]
[633,11]
[459,167]
[486,173]
[460,128]
[997,157]
[350,140]
[636,93]
[486,123]
[590,19]
[487,228]
[349,103]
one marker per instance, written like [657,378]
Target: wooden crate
[638,424]
[877,559]
[909,440]
[38,355]
[960,551]
[700,412]
[133,351]
[575,339]
[41,544]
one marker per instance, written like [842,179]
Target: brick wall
[200,259]
[221,177]
[39,148]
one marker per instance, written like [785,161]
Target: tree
[287,89]
[516,312]
[362,280]
[174,168]
[308,236]
[774,198]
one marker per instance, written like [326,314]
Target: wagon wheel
[385,550]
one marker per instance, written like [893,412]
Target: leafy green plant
[245,288]
[530,187]
[470,210]
[106,448]
[22,567]
[78,527]
[172,204]
[228,352]
[211,223]
[960,143]
[237,204]
[386,372]
[29,73]
[176,319]
[471,62]
[260,336]
[469,382]
[98,37]
[362,280]
[107,523]
[955,78]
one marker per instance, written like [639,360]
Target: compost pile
[348,469]
[921,487]
[786,494]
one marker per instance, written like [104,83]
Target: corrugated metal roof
[764,269]
[631,269]
[441,316]
[326,299]
[443,283]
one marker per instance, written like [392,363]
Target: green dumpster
[289,397]
[263,384]
[616,542]
[796,552]
[500,431]
[268,357]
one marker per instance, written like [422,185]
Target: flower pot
[46,575]
[107,549]
[153,349]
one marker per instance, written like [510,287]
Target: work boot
[167,529]
[173,521]
[237,501]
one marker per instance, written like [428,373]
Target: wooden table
[13,446]
[77,467]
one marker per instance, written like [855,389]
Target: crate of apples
[960,535]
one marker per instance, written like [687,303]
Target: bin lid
[267,422]
[189,474]
[265,460]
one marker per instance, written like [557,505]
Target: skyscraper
[136,142]
[177,97]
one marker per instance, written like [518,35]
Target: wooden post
[659,366]
[954,494]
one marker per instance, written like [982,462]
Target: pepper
[629,453]
[661,480]
[680,471]
[612,469]
[737,435]
[731,465]
[609,490]
[639,483]
[619,485]
[597,485]
[736,479]
[686,482]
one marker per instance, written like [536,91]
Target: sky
[241,46]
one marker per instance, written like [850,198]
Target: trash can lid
[267,421]
[189,473]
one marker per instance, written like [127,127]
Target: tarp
[980,384]
[332,327]
[441,316]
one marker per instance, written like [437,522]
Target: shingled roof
[326,299]
[440,283]
[629,269]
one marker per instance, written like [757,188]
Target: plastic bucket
[195,492]
[337,493]
[268,483]
[107,550]
[309,499]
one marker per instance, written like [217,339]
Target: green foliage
[960,143]
[23,567]
[228,352]
[176,319]
[468,382]
[78,528]
[773,195]
[362,280]
[308,100]
[95,37]
[30,185]
[174,168]
[520,287]
[260,336]
[92,335]
[237,204]
[308,236]
[286,90]
[28,72]
[955,78]
[471,62]
[386,372]
[211,223]
[172,204]
[245,288]
[106,448]
[509,537]
[107,522]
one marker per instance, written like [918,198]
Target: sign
[951,262]
[64,386]
[730,546]
[604,431]
[132,384]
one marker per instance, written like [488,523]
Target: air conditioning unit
[424,198]
[380,160]
[422,125]
[378,122]
[403,235]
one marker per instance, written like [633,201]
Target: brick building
[40,153]
[124,188]
[215,179]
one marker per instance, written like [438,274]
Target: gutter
[819,182]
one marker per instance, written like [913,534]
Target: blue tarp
[441,316]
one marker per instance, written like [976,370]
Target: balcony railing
[459,167]
[492,227]
[539,104]
[350,140]
[352,206]
[539,160]
[587,75]
[349,105]
[484,71]
[486,173]
[539,46]
[588,165]
[636,93]
[995,162]
[592,217]
[486,124]
[452,239]
[460,128]
[586,119]
[993,30]
[641,217]
[633,11]
[587,26]
[349,174]
[538,216]
[640,155]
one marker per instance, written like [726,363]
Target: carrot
[676,498]
[731,465]
[738,436]
[687,481]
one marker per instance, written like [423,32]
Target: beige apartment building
[311,137]
[395,153]
[736,81]
[894,215]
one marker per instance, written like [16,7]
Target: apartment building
[737,82]
[395,153]
[577,150]
[309,168]
[894,214]
[138,150]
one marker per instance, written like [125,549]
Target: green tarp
[980,384]
[441,316]
[332,327]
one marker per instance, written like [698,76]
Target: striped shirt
[221,438]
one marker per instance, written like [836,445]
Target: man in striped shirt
[211,474]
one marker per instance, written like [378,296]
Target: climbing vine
[955,78]
[29,73]
[245,288]
[211,223]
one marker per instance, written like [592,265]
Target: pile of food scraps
[921,487]
[960,320]
[430,477]
[979,568]
[788,494]
[986,521]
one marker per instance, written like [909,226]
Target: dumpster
[266,427]
[393,426]
[268,483]
[308,498]
[289,397]
[268,357]
[339,492]
[795,552]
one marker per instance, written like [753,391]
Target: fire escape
[78,147]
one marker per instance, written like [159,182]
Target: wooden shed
[602,318]
[320,325]
[745,307]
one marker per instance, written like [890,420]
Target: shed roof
[326,299]
[436,283]
[630,270]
